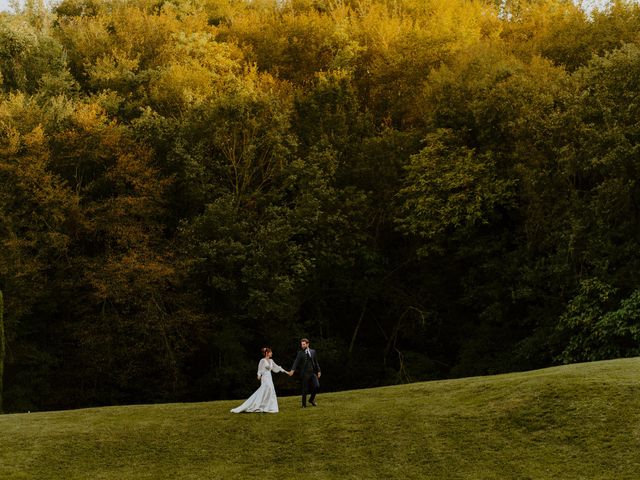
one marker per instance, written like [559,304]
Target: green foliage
[29,57]
[420,186]
[596,329]
[449,187]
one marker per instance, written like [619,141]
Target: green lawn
[564,423]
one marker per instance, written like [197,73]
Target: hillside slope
[572,422]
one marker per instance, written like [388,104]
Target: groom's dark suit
[306,364]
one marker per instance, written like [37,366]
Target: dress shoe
[313,402]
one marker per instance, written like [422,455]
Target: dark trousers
[310,387]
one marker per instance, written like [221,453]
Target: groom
[306,364]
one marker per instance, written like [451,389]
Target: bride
[264,399]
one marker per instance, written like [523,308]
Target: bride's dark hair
[265,350]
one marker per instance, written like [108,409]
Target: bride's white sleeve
[262,367]
[276,368]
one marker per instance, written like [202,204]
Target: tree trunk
[355,332]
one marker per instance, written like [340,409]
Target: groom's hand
[319,374]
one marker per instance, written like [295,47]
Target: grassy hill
[572,422]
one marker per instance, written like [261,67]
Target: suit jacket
[303,365]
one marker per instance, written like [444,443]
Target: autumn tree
[427,188]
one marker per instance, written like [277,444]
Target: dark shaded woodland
[426,188]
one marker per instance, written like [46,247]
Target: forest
[426,189]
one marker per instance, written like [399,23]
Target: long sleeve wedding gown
[264,399]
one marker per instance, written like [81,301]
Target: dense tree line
[425,188]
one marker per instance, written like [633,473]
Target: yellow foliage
[199,66]
[16,134]
[16,106]
[144,34]
[180,85]
[128,39]
[448,25]
[9,140]
[26,162]
[531,27]
[88,116]
[307,41]
[85,39]
[114,69]
[201,46]
[35,139]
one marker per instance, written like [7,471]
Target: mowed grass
[572,422]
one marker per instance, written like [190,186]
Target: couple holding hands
[264,399]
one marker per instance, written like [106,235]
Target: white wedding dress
[264,399]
